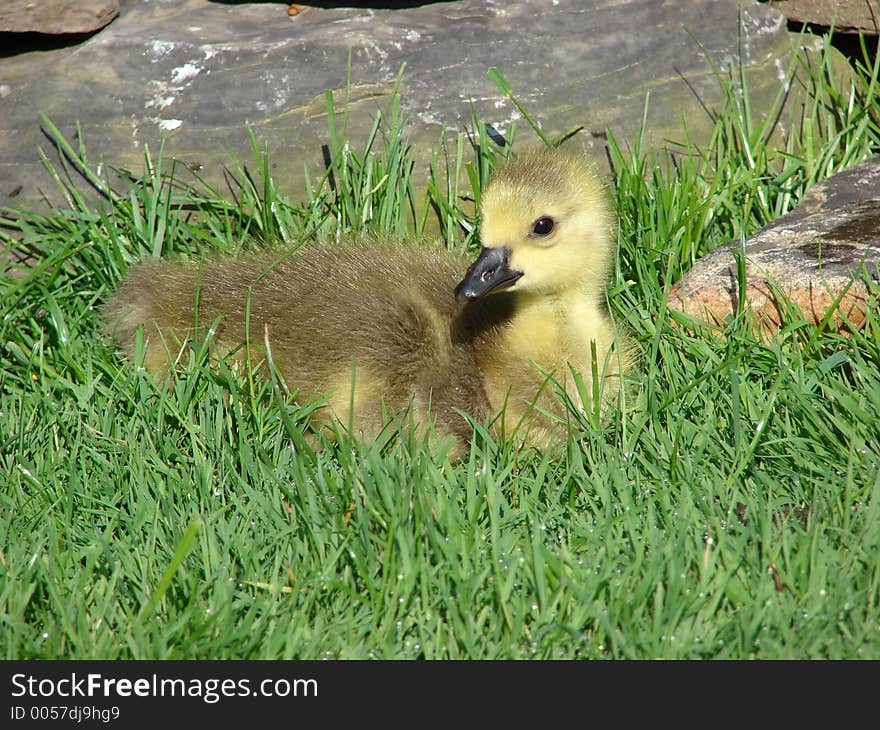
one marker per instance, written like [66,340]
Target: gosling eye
[543,226]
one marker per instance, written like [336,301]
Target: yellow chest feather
[550,336]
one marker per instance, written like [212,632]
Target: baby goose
[380,328]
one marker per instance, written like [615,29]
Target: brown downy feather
[372,317]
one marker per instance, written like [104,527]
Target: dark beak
[488,273]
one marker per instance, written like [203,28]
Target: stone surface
[194,73]
[845,16]
[811,256]
[61,16]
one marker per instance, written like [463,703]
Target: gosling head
[545,230]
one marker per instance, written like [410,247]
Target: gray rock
[60,16]
[813,256]
[194,74]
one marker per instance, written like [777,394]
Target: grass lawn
[728,507]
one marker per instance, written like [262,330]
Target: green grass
[729,508]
